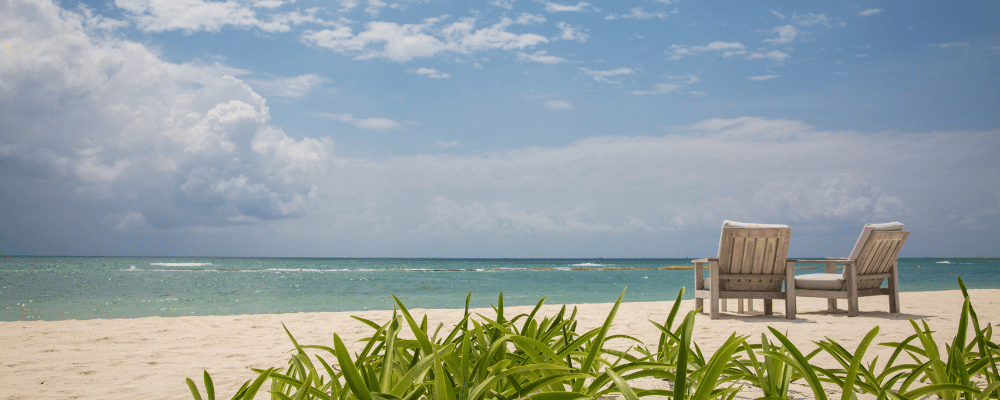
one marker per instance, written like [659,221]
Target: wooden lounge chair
[872,262]
[752,264]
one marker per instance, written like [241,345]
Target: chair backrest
[877,256]
[753,249]
[867,231]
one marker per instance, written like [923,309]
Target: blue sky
[494,129]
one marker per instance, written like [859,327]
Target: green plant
[547,358]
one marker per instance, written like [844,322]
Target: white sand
[148,358]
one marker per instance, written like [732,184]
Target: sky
[501,128]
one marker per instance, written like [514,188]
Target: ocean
[62,288]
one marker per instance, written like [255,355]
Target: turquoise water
[53,288]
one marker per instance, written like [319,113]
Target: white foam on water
[180,264]
[587,265]
[297,270]
[944,262]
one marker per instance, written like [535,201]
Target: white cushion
[867,231]
[743,225]
[734,224]
[820,281]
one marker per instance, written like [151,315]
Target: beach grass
[548,358]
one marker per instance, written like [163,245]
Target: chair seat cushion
[819,281]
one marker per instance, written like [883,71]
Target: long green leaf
[351,374]
[194,389]
[852,371]
[801,364]
[598,343]
[623,386]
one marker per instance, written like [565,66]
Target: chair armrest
[837,260]
[704,260]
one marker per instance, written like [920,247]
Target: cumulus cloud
[811,19]
[728,49]
[291,87]
[639,13]
[447,216]
[558,105]
[779,57]
[950,45]
[786,34]
[159,139]
[760,78]
[402,43]
[608,75]
[374,7]
[431,73]
[570,32]
[558,7]
[540,56]
[212,16]
[371,124]
[869,12]
[530,19]
[838,198]
[674,83]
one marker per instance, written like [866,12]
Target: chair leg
[851,276]
[749,305]
[790,290]
[699,284]
[831,304]
[725,304]
[894,289]
[768,307]
[739,305]
[715,287]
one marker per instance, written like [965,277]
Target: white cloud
[760,78]
[188,15]
[728,49]
[269,3]
[811,19]
[838,198]
[558,7]
[530,19]
[446,216]
[570,32]
[786,34]
[673,84]
[540,56]
[779,57]
[199,15]
[374,7]
[558,105]
[605,76]
[869,12]
[951,44]
[402,43]
[169,145]
[291,87]
[508,4]
[431,73]
[371,124]
[639,13]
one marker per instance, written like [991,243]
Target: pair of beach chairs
[753,263]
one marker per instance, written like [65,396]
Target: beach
[150,357]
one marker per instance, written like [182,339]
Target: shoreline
[150,357]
